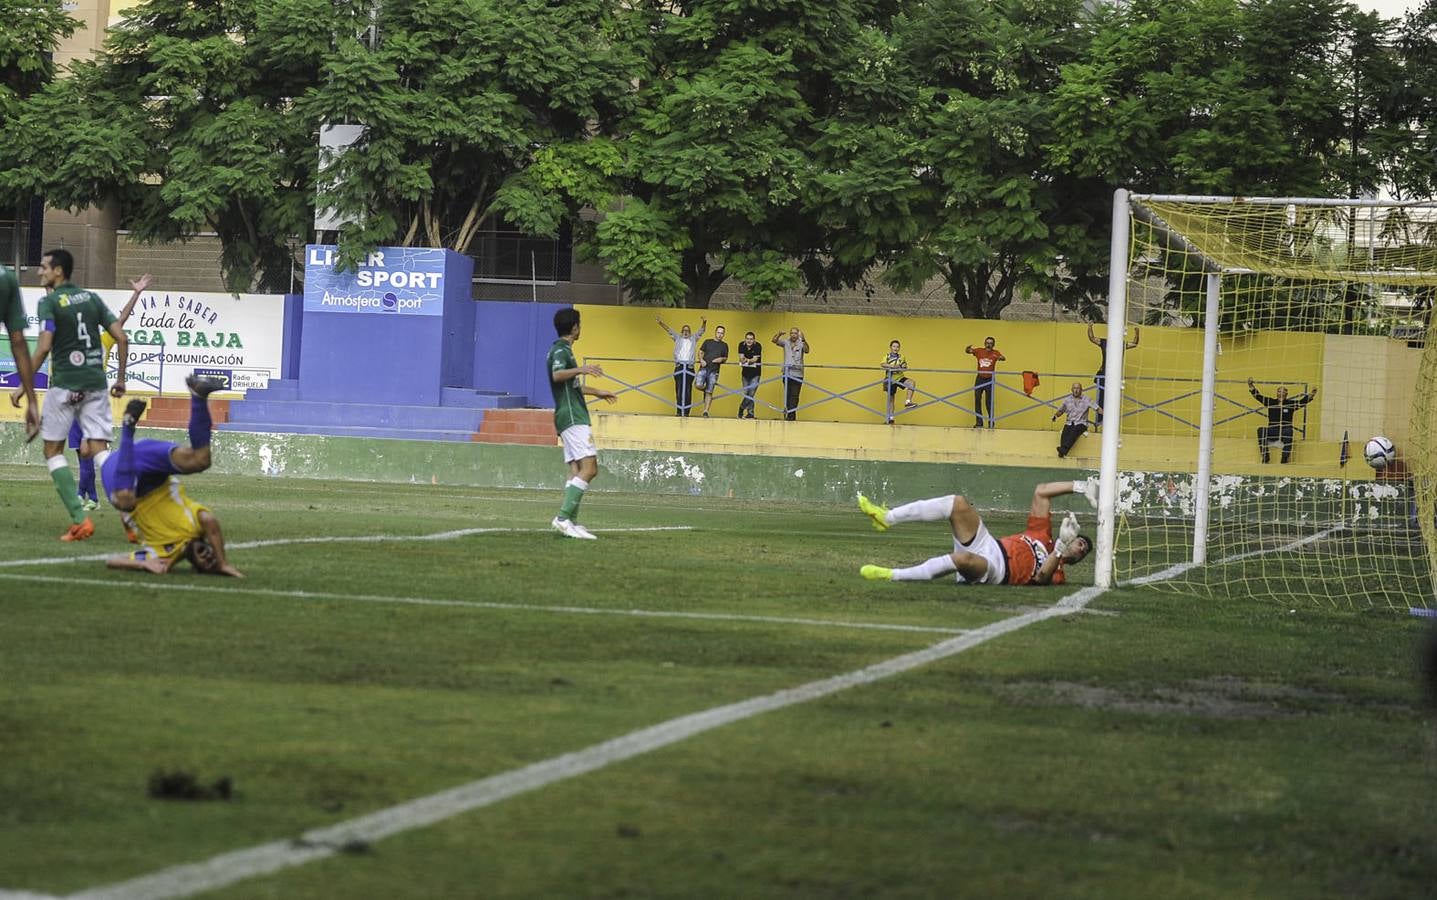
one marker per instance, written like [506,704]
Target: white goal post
[1277,260]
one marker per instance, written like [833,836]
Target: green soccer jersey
[77,318]
[569,406]
[12,314]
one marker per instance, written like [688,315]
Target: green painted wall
[517,466]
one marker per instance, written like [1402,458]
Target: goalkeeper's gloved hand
[1066,533]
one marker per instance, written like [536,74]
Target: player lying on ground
[1030,557]
[140,479]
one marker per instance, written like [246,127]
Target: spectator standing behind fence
[685,345]
[1075,406]
[1280,411]
[1101,376]
[750,360]
[894,379]
[715,353]
[988,359]
[795,347]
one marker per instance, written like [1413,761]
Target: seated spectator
[1076,407]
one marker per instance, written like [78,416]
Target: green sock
[570,509]
[69,495]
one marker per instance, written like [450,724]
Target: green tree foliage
[33,29]
[187,120]
[458,97]
[1263,98]
[712,175]
[992,218]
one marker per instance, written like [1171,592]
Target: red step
[174,412]
[517,426]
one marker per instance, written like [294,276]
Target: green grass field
[1152,745]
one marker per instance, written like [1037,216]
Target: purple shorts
[152,466]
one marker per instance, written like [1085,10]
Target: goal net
[1263,343]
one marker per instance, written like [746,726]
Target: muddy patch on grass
[1223,697]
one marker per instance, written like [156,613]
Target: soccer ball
[1379,452]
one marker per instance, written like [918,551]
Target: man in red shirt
[1032,556]
[988,359]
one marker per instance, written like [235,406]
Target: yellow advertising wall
[1164,371]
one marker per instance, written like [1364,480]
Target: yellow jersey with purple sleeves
[167,520]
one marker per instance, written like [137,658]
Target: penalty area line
[347,539]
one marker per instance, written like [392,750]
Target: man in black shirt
[1280,411]
[715,353]
[750,360]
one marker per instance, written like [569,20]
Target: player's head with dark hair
[1078,549]
[719,332]
[989,342]
[748,336]
[893,346]
[59,259]
[201,554]
[566,321]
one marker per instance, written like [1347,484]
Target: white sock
[100,460]
[1080,485]
[937,509]
[578,482]
[936,567]
[57,461]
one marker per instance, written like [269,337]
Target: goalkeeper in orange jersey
[140,479]
[1030,557]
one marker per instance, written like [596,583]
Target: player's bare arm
[122,356]
[1048,569]
[1093,338]
[1134,344]
[153,566]
[138,286]
[600,393]
[42,350]
[215,539]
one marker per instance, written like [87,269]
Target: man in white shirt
[685,348]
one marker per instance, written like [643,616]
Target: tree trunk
[700,279]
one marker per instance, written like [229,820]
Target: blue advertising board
[394,281]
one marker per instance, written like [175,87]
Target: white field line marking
[230,868]
[153,583]
[1178,569]
[240,865]
[343,539]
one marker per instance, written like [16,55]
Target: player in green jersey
[571,420]
[72,321]
[12,316]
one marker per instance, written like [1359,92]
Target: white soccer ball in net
[1379,452]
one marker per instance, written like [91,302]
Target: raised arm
[1307,397]
[778,338]
[1134,344]
[1252,389]
[138,285]
[664,326]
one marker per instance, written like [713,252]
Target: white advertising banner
[237,338]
